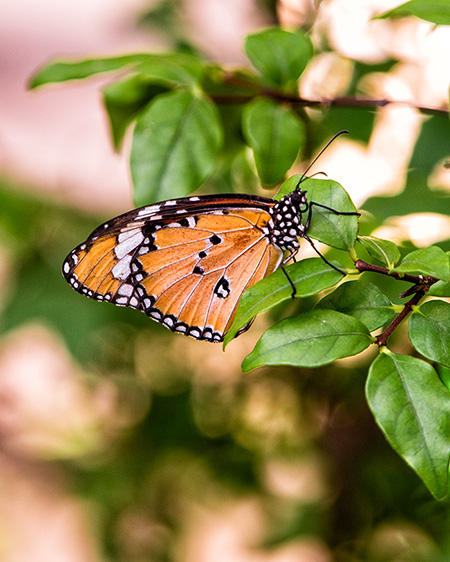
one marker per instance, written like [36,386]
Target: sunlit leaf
[426,261]
[435,11]
[429,330]
[310,276]
[279,55]
[384,251]
[313,338]
[412,408]
[364,301]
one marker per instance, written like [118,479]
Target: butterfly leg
[291,256]
[306,237]
[336,212]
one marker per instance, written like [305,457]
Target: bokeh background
[120,441]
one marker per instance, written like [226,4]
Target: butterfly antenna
[319,155]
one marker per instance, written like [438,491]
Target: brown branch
[340,101]
[384,336]
[421,285]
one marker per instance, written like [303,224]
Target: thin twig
[340,101]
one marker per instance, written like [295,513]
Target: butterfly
[186,262]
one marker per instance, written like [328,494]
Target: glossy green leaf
[435,11]
[279,55]
[124,99]
[364,301]
[175,145]
[276,134]
[412,408]
[384,251]
[61,71]
[426,261]
[441,288]
[310,276]
[311,339]
[429,330]
[337,231]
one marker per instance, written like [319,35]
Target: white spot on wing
[122,268]
[128,244]
[148,211]
[126,290]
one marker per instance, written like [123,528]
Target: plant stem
[421,285]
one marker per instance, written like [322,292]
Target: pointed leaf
[279,55]
[275,133]
[311,339]
[435,11]
[412,408]
[364,301]
[310,276]
[174,149]
[384,251]
[60,71]
[429,330]
[427,261]
[441,288]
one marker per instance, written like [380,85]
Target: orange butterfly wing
[185,263]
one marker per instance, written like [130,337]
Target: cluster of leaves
[192,118]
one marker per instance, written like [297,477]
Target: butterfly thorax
[286,224]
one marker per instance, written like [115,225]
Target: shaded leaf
[426,261]
[310,276]
[276,134]
[384,251]
[174,149]
[279,55]
[124,99]
[364,301]
[429,330]
[412,407]
[311,339]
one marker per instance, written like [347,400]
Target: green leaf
[275,133]
[175,144]
[124,99]
[384,251]
[426,261]
[310,276]
[280,56]
[429,330]
[435,11]
[412,407]
[337,231]
[61,71]
[441,288]
[169,69]
[172,69]
[364,301]
[311,339]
